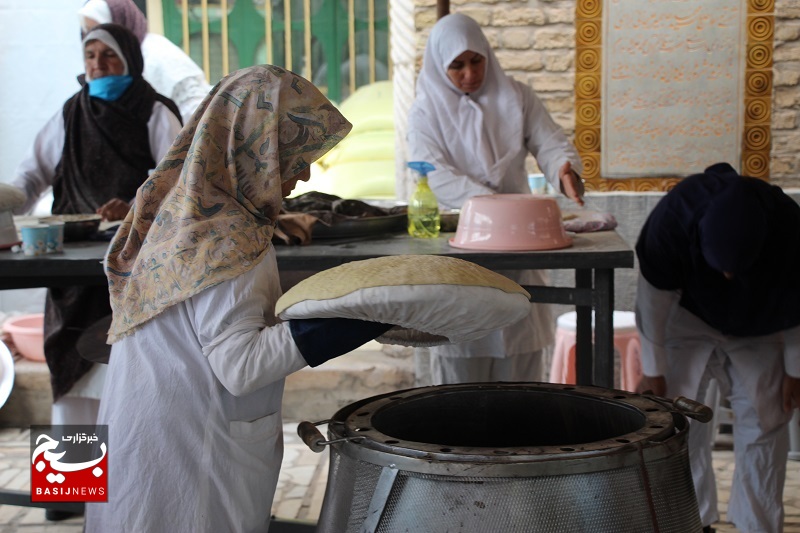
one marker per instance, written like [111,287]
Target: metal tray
[76,227]
[360,227]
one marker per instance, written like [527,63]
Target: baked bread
[430,299]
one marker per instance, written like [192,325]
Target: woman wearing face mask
[94,153]
[168,68]
[476,125]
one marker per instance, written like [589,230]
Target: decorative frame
[756,135]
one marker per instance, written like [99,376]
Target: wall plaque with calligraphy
[673,86]
[665,88]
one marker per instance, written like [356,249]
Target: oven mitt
[322,339]
[429,299]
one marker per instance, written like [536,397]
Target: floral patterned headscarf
[207,214]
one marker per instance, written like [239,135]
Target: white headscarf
[482,131]
[96,10]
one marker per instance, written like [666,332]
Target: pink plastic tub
[510,222]
[27,332]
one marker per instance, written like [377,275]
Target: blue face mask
[109,88]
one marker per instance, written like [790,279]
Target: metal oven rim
[662,434]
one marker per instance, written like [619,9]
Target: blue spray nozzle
[421,166]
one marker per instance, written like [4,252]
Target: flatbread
[431,299]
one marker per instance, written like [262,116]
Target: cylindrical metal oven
[506,457]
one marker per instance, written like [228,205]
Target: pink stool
[626,344]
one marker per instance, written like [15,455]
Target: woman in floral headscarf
[195,380]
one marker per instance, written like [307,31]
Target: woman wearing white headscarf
[476,126]
[197,366]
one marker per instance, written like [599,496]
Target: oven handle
[312,438]
[685,406]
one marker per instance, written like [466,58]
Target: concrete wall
[40,59]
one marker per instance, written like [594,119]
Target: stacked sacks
[362,165]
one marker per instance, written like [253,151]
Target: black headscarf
[719,222]
[107,148]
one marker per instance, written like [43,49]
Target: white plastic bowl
[511,222]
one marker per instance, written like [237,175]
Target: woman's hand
[114,209]
[571,183]
[791,393]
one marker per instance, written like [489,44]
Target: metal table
[593,257]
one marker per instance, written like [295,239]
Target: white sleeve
[163,127]
[36,172]
[653,308]
[791,351]
[188,94]
[235,324]
[545,139]
[174,74]
[450,187]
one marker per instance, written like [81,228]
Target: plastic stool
[626,344]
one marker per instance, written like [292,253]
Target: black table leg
[604,328]
[583,332]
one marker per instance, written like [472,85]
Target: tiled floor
[301,487]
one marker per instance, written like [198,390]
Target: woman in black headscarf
[719,298]
[94,153]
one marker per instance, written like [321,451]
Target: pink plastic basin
[27,332]
[511,222]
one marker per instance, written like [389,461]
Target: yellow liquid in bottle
[423,212]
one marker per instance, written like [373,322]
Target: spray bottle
[423,208]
